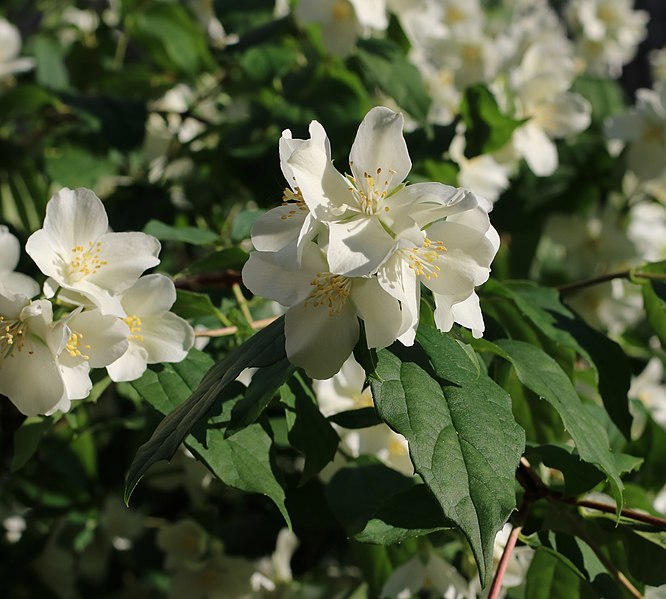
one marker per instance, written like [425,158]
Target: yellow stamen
[330,290]
[134,324]
[74,344]
[12,336]
[422,260]
[86,260]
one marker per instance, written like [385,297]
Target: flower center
[12,336]
[330,290]
[134,324]
[85,260]
[370,196]
[422,260]
[74,345]
[295,200]
[341,10]
[454,15]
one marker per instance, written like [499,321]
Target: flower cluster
[98,311]
[344,247]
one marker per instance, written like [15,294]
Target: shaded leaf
[192,235]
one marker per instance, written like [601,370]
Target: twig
[625,512]
[625,274]
[242,302]
[496,585]
[576,285]
[232,330]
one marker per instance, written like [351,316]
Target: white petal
[468,314]
[319,342]
[536,148]
[324,189]
[130,366]
[76,378]
[104,337]
[380,312]
[278,227]
[429,202]
[127,256]
[10,250]
[379,150]
[166,338]
[358,246]
[152,294]
[371,13]
[17,282]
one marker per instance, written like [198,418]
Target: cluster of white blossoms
[98,311]
[344,247]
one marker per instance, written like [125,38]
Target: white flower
[75,250]
[647,230]
[10,48]
[346,391]
[363,211]
[13,282]
[343,21]
[644,128]
[155,334]
[650,389]
[431,574]
[541,85]
[184,542]
[276,570]
[321,325]
[30,343]
[460,249]
[608,32]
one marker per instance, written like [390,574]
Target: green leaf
[74,166]
[359,418]
[654,299]
[242,461]
[651,445]
[383,64]
[605,96]
[221,260]
[174,39]
[190,304]
[309,431]
[486,128]
[263,349]
[540,373]
[27,438]
[463,439]
[541,307]
[26,100]
[259,394]
[51,69]
[579,476]
[356,490]
[411,513]
[552,576]
[192,235]
[646,552]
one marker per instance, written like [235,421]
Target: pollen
[370,195]
[134,324]
[12,336]
[422,260]
[329,291]
[294,200]
[74,345]
[86,260]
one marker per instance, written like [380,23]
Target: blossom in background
[10,48]
[344,21]
[540,86]
[643,128]
[10,252]
[154,334]
[647,230]
[649,388]
[75,250]
[345,391]
[425,573]
[607,33]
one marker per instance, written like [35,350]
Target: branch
[223,332]
[625,274]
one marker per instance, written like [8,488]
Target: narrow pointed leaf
[263,349]
[540,373]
